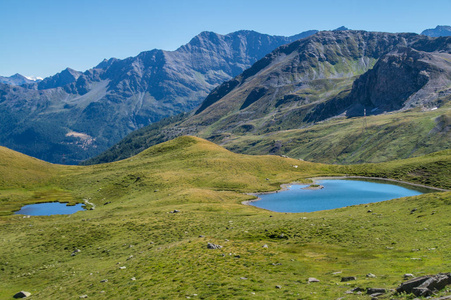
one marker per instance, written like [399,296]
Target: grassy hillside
[165,254]
[344,141]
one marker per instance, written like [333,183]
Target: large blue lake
[48,209]
[335,194]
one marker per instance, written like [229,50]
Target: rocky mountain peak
[440,30]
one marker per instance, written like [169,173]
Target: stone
[22,294]
[104,280]
[421,291]
[278,286]
[408,275]
[371,291]
[348,278]
[370,275]
[123,268]
[83,296]
[243,278]
[407,287]
[312,279]
[265,246]
[133,278]
[213,246]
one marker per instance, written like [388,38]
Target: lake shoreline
[286,186]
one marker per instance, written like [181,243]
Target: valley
[156,212]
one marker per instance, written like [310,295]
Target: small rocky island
[313,187]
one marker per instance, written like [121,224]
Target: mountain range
[311,77]
[328,75]
[74,115]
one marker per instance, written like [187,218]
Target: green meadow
[134,246]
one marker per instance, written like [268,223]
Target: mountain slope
[72,115]
[328,75]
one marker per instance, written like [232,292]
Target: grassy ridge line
[164,251]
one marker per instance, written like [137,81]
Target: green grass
[166,252]
[349,141]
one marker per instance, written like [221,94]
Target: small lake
[50,208]
[335,194]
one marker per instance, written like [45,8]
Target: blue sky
[41,38]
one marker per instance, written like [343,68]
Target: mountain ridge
[107,102]
[328,75]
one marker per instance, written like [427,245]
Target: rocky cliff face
[72,115]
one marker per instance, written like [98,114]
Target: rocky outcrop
[425,285]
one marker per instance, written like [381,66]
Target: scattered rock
[265,246]
[201,236]
[106,203]
[375,295]
[349,278]
[370,275]
[130,257]
[312,279]
[243,278]
[408,275]
[278,286]
[213,246]
[83,296]
[413,210]
[123,268]
[133,278]
[174,211]
[371,291]
[22,294]
[75,252]
[104,280]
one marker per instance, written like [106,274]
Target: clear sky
[41,38]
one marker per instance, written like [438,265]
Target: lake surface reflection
[48,209]
[335,194]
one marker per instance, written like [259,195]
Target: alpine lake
[328,194]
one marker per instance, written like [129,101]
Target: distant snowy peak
[18,79]
[34,78]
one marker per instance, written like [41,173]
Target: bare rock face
[425,285]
